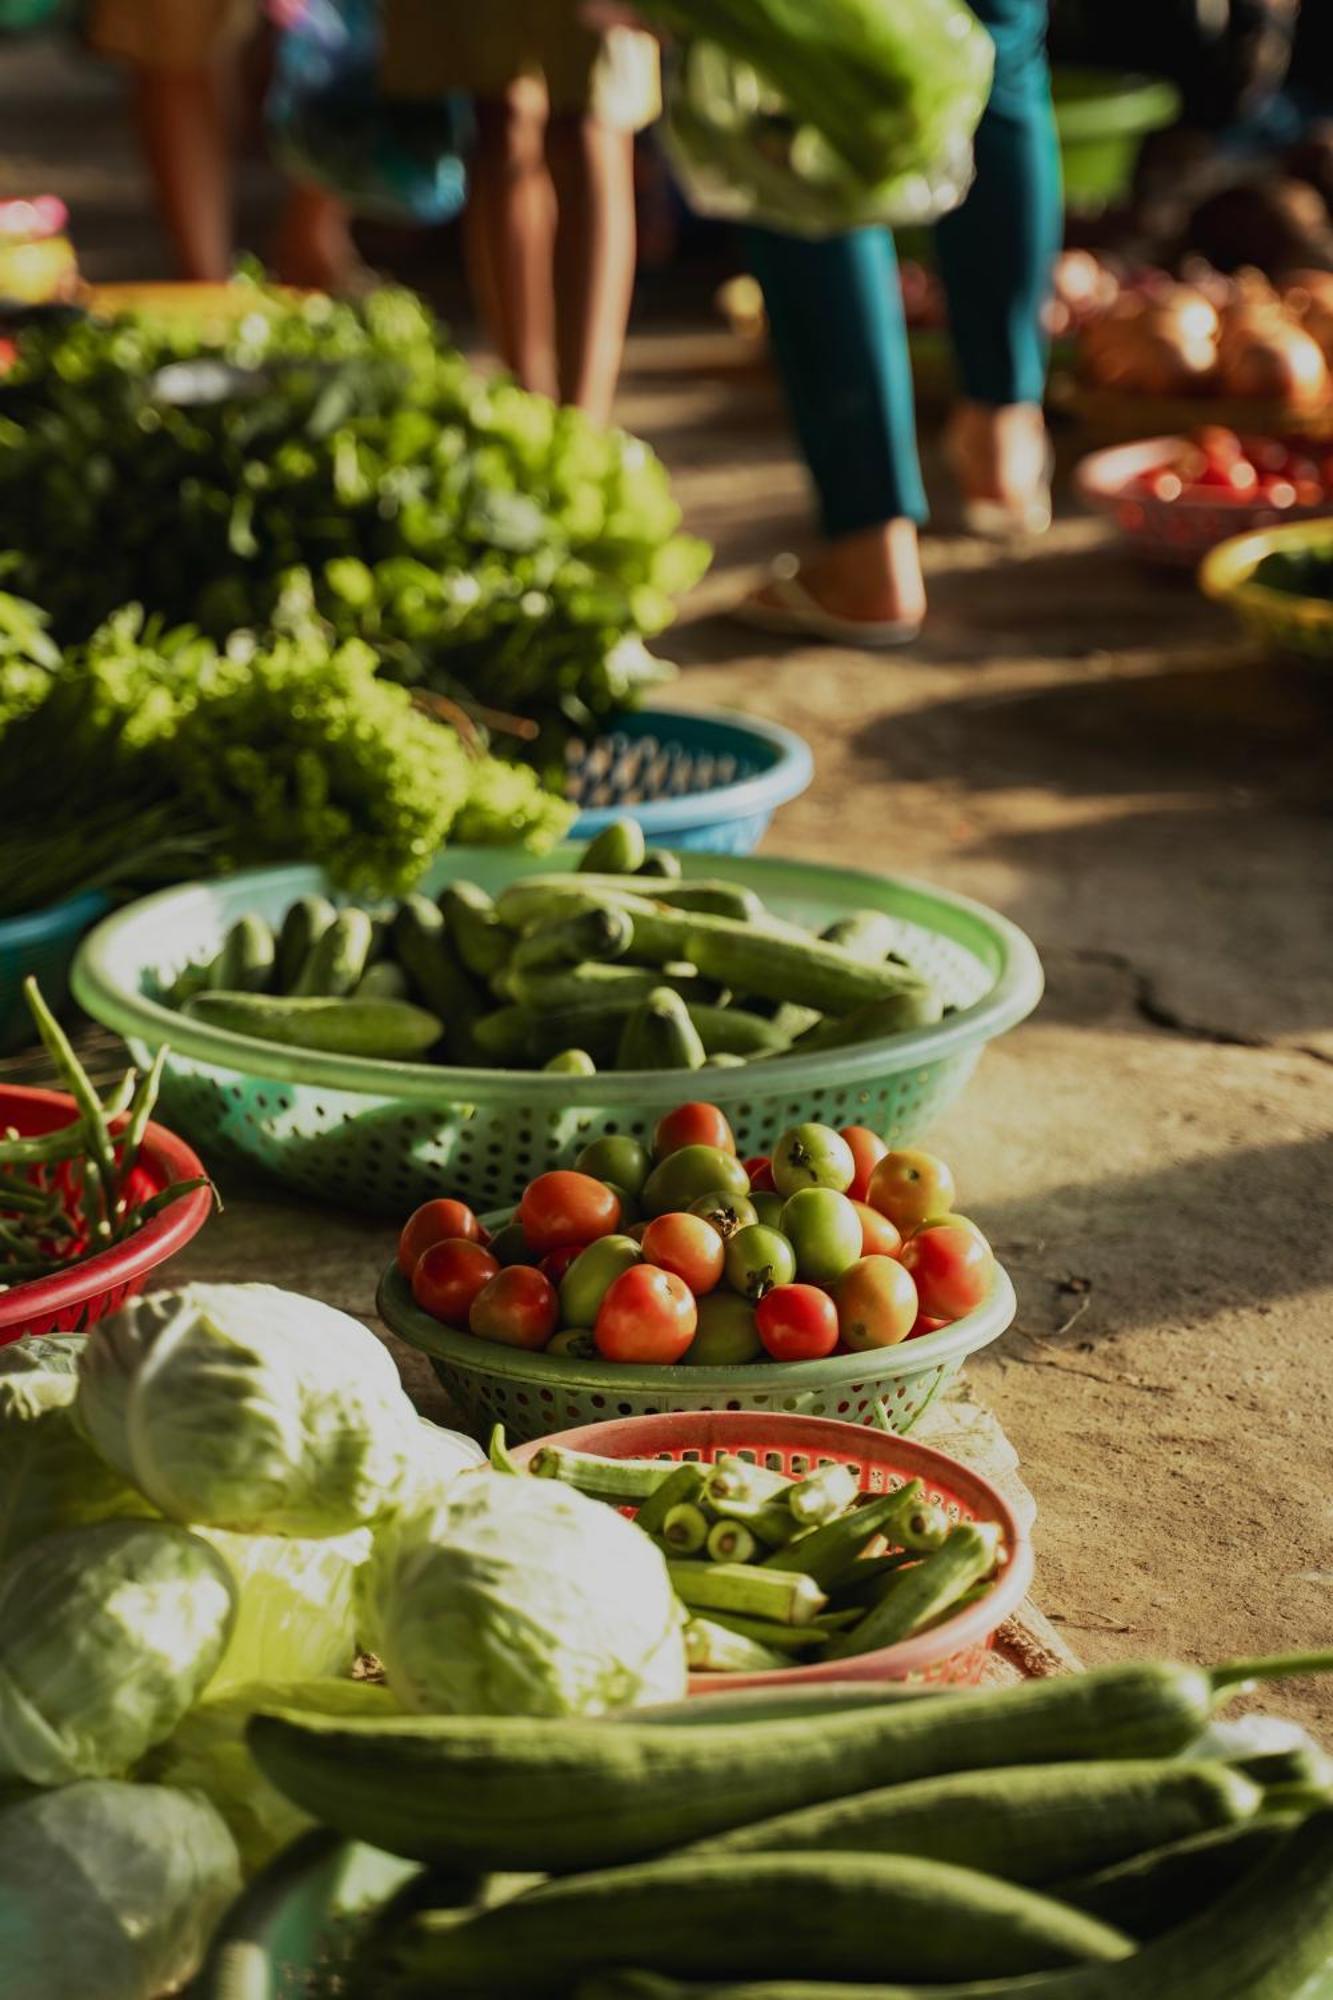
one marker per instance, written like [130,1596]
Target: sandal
[787,605]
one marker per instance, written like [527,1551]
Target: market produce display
[69,1194]
[834,1244]
[891,1845]
[340,463]
[618,965]
[1215,465]
[774,1572]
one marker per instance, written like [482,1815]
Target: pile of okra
[619,965]
[777,1572]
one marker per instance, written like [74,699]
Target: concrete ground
[1097,753]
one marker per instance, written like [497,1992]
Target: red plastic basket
[86,1292]
[954,1653]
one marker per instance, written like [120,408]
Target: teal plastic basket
[889,1388]
[382,1136]
[42,944]
[702,782]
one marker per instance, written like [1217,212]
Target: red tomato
[692,1125]
[688,1247]
[556,1262]
[448,1276]
[647,1315]
[519,1308]
[1309,493]
[1277,492]
[879,1236]
[436,1222]
[1165,485]
[565,1207]
[922,1325]
[908,1186]
[952,1269]
[797,1323]
[876,1304]
[868,1149]
[1218,444]
[760,1170]
[1268,454]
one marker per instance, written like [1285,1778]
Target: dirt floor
[1100,755]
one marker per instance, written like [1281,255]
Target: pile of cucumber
[621,965]
[1048,1839]
[775,1572]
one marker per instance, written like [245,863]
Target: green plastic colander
[383,1136]
[889,1388]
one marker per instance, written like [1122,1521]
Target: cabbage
[294,1618]
[109,1891]
[107,1636]
[522,1597]
[50,1476]
[438,1456]
[248,1408]
[207,1753]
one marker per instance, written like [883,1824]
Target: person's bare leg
[313,247]
[510,235]
[873,576]
[592,165]
[1000,452]
[183,129]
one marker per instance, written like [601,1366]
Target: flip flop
[786,605]
[998,521]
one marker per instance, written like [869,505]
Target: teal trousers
[835,307]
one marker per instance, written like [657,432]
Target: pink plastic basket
[74,1299]
[1173,532]
[954,1653]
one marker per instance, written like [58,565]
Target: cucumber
[337,958]
[520,1793]
[421,945]
[596,934]
[571,1062]
[506,1038]
[480,941]
[1149,1893]
[805,970]
[619,849]
[386,1029]
[1036,1825]
[922,1594]
[1266,1940]
[732,1031]
[868,935]
[245,963]
[384,980]
[660,862]
[592,986]
[914,1007]
[763,1915]
[659,1034]
[303,926]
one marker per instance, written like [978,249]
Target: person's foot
[867,585]
[1001,457]
[314,250]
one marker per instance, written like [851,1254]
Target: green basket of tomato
[830,1278]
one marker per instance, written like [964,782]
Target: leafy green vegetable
[1300,572]
[485,541]
[294,1599]
[511,1598]
[248,1408]
[110,1890]
[208,1754]
[50,1476]
[177,758]
[108,1635]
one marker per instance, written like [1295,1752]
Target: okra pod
[682,1487]
[769,1521]
[711,1647]
[829,1553]
[823,1495]
[731,1542]
[732,1478]
[778,1638]
[620,1480]
[685,1530]
[787,1598]
[921,1594]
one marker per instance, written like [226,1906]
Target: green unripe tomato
[573,1343]
[726,1212]
[683,1176]
[825,1232]
[726,1336]
[812,1156]
[767,1207]
[591,1275]
[616,1158]
[757,1260]
[629,1204]
[510,1246]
